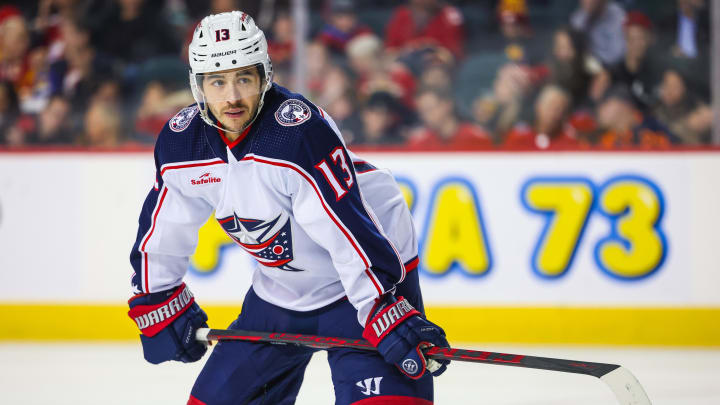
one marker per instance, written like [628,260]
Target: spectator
[283,76]
[638,70]
[108,90]
[336,84]
[498,110]
[383,120]
[570,67]
[14,46]
[338,98]
[103,126]
[9,108]
[426,23]
[687,29]
[375,71]
[52,126]
[441,127]
[680,110]
[513,47]
[696,127]
[281,42]
[317,68]
[518,42]
[158,104]
[341,27]
[49,19]
[437,76]
[35,90]
[76,76]
[26,68]
[622,125]
[550,129]
[602,22]
[135,19]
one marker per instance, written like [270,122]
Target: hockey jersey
[321,223]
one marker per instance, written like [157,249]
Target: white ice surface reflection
[116,374]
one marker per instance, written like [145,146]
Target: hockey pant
[258,373]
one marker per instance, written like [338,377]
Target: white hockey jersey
[321,223]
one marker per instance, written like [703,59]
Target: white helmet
[227,41]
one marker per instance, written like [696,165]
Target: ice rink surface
[109,374]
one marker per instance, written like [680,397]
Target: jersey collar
[220,143]
[232,144]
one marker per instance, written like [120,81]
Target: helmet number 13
[222,35]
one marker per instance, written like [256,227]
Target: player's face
[233,96]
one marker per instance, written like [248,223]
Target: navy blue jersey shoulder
[182,138]
[286,122]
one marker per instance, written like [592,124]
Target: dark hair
[577,39]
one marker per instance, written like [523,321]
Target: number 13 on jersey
[338,159]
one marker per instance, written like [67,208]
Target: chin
[234,125]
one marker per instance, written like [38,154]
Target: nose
[236,92]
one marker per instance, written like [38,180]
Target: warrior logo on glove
[410,366]
[396,313]
[152,319]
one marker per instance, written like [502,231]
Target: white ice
[109,374]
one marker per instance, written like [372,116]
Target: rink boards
[583,247]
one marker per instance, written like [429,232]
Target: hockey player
[333,238]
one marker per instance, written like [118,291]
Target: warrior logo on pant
[367,385]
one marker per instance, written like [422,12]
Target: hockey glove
[400,334]
[168,321]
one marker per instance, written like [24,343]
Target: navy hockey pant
[240,373]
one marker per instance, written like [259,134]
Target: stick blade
[626,387]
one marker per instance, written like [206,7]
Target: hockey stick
[623,384]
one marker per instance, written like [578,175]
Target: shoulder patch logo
[292,112]
[181,120]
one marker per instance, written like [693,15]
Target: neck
[625,123]
[550,128]
[448,129]
[632,64]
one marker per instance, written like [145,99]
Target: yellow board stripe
[641,326]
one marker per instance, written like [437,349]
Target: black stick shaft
[440,353]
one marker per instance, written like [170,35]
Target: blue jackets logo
[181,120]
[268,242]
[292,112]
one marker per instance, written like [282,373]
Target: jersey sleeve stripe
[412,264]
[362,167]
[215,161]
[375,281]
[146,274]
[304,175]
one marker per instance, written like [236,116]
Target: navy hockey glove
[400,334]
[168,321]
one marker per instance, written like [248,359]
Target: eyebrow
[222,76]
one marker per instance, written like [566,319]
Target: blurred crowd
[416,74]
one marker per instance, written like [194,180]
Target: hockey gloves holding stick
[400,334]
[168,321]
